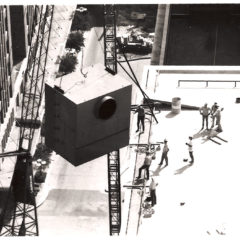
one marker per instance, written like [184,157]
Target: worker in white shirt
[164,153]
[152,189]
[190,149]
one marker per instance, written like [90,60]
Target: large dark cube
[90,118]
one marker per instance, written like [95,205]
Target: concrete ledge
[130,225]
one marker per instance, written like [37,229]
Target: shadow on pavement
[171,115]
[73,202]
[181,170]
[209,135]
[201,133]
[3,199]
[139,181]
[158,170]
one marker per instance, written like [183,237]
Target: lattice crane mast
[114,180]
[110,60]
[21,219]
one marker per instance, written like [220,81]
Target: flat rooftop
[199,201]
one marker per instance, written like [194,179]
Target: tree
[81,21]
[43,152]
[68,63]
[75,40]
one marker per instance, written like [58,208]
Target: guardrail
[207,81]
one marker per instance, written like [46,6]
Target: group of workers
[146,165]
[215,113]
[148,160]
[205,111]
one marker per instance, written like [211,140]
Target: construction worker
[213,116]
[205,111]
[152,189]
[190,149]
[146,165]
[217,114]
[165,153]
[141,118]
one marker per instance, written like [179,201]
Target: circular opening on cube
[107,107]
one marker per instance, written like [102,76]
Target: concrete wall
[160,34]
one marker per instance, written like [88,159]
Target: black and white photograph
[120,119]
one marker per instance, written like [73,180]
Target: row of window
[16,22]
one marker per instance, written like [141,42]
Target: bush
[75,40]
[68,63]
[42,152]
[40,177]
[81,21]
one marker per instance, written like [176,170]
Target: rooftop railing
[209,81]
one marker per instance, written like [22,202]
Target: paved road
[77,202]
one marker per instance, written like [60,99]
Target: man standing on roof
[141,118]
[213,111]
[152,189]
[217,114]
[164,153]
[205,111]
[190,149]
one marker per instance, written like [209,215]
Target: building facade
[18,28]
[16,31]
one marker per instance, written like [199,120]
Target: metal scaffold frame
[114,192]
[110,51]
[21,218]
